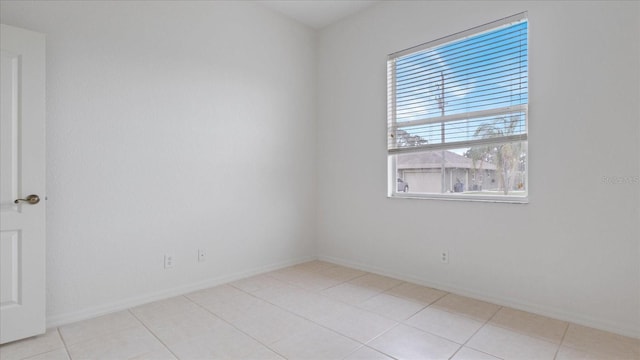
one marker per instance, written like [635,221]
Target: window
[457,115]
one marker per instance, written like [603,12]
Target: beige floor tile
[511,344]
[285,297]
[469,354]
[315,281]
[303,279]
[183,326]
[311,266]
[223,342]
[269,323]
[322,307]
[393,307]
[163,354]
[316,278]
[475,309]
[350,294]
[255,283]
[59,354]
[124,344]
[319,343]
[97,327]
[289,275]
[32,346]
[600,343]
[416,293]
[404,342]
[297,272]
[367,353]
[225,301]
[280,293]
[567,353]
[341,273]
[529,324]
[452,326]
[319,310]
[262,353]
[305,303]
[226,293]
[375,282]
[345,319]
[164,308]
[355,323]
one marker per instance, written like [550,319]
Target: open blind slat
[465,90]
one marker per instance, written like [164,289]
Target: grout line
[95,336]
[352,304]
[433,334]
[477,331]
[564,334]
[385,291]
[152,333]
[528,333]
[234,326]
[379,351]
[365,346]
[359,305]
[42,352]
[338,284]
[320,294]
[66,348]
[354,351]
[397,323]
[308,319]
[380,335]
[413,301]
[415,313]
[402,282]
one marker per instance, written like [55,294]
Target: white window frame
[391,123]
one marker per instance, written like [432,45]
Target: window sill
[462,197]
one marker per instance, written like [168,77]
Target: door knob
[31,199]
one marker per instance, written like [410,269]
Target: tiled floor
[319,310]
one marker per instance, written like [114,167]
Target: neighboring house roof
[433,160]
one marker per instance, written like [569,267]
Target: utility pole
[441,105]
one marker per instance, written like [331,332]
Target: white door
[22,165]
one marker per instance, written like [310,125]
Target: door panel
[22,172]
[9,265]
[9,149]
[425,181]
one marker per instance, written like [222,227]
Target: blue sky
[481,72]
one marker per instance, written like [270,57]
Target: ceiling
[317,13]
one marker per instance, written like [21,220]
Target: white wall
[172,126]
[573,252]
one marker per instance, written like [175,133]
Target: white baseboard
[103,309]
[579,319]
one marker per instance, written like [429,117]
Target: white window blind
[463,90]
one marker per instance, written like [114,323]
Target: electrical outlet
[168,261]
[202,255]
[444,256]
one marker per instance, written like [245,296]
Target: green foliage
[507,157]
[404,139]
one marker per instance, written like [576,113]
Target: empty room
[320,180]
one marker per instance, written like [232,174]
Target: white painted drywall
[172,126]
[179,125]
[573,252]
